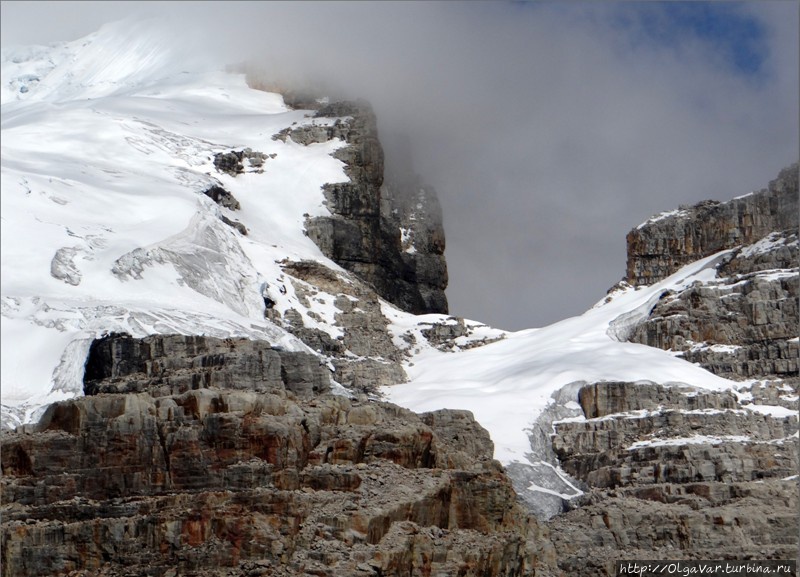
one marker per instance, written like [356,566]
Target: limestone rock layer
[674,473]
[743,323]
[200,456]
[665,243]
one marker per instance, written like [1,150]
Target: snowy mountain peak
[152,198]
[108,145]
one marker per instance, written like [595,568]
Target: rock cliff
[388,231]
[671,472]
[200,456]
[666,242]
[743,323]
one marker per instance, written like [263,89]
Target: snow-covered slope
[518,386]
[107,146]
[509,383]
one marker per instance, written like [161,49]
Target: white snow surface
[507,384]
[107,145]
[663,215]
[776,411]
[693,440]
[766,244]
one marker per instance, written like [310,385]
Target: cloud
[548,129]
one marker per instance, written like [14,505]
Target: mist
[548,129]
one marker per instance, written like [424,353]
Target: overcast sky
[549,130]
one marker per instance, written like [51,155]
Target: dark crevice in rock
[163,442]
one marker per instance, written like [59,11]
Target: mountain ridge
[181,288]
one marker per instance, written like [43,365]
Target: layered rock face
[743,323]
[387,231]
[675,473]
[199,456]
[363,355]
[163,365]
[665,243]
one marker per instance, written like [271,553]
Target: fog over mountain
[548,129]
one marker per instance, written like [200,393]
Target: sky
[548,129]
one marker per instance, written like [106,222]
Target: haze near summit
[548,129]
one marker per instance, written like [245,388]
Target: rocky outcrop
[343,319]
[665,243]
[413,208]
[233,162]
[164,365]
[738,521]
[740,326]
[363,355]
[222,197]
[610,397]
[265,479]
[743,323]
[389,233]
[235,224]
[460,429]
[675,474]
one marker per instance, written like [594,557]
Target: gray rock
[233,162]
[676,473]
[367,375]
[364,356]
[222,197]
[234,224]
[387,231]
[236,482]
[173,364]
[743,323]
[740,326]
[460,429]
[611,397]
[660,247]
[674,476]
